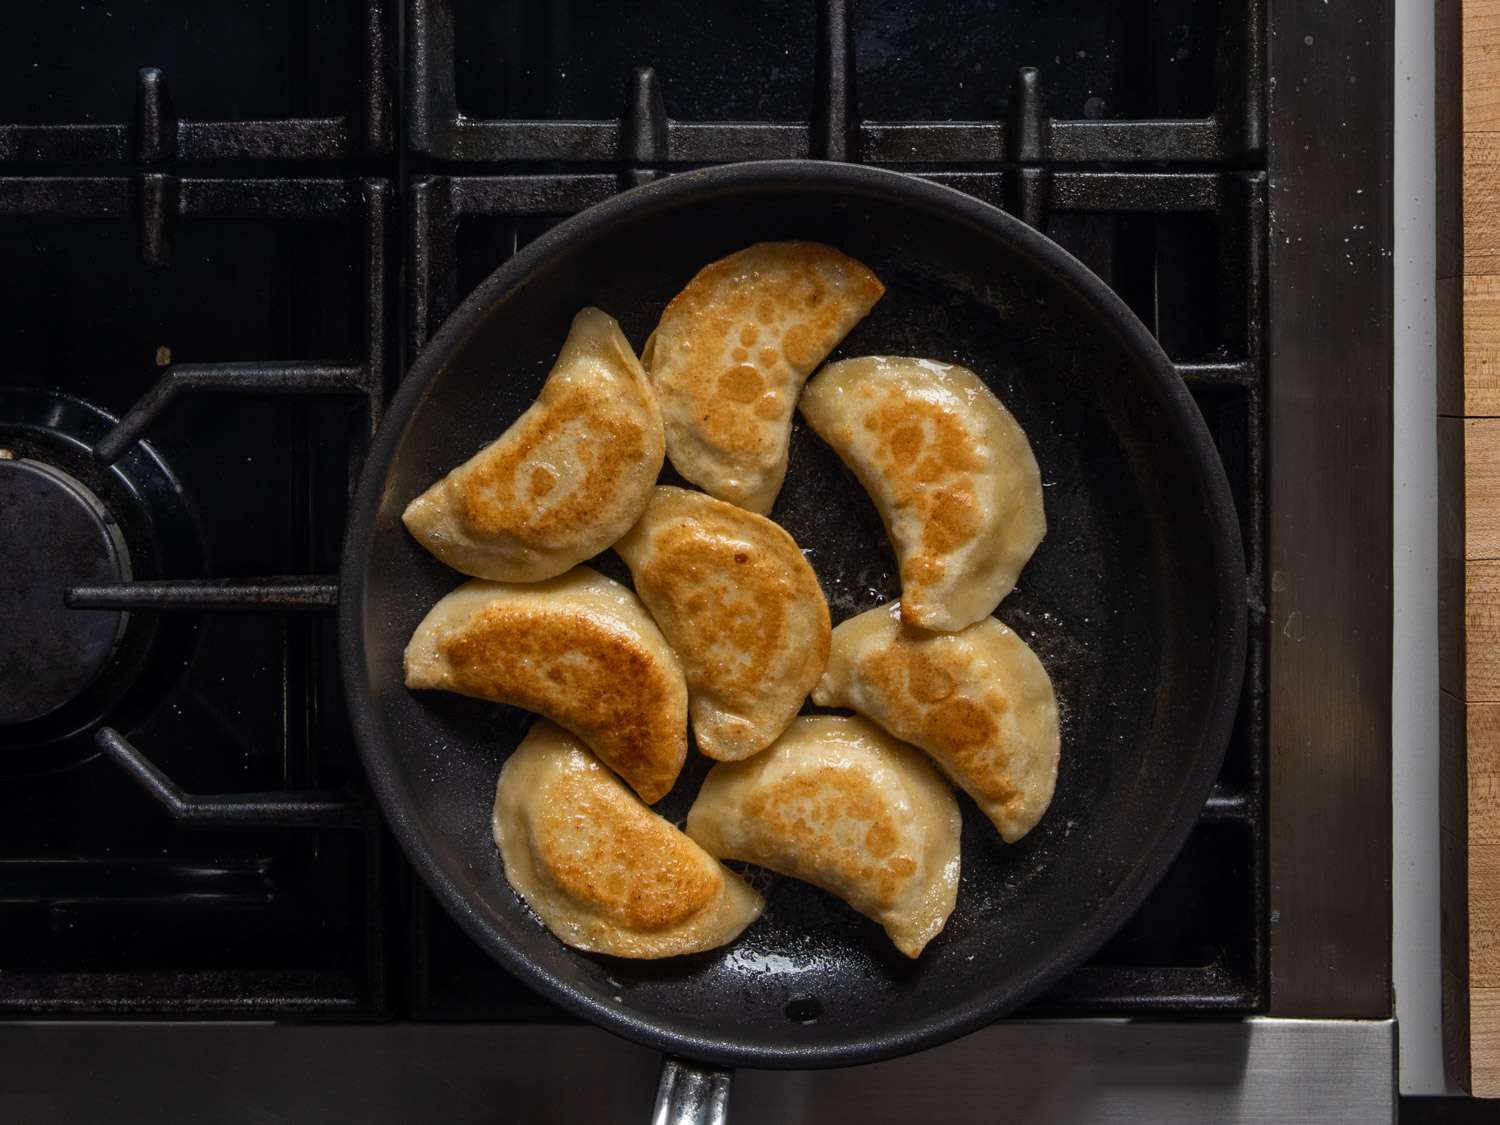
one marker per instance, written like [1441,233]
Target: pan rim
[1222,527]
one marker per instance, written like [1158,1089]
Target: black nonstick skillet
[1135,602]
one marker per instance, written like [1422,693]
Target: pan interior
[1123,602]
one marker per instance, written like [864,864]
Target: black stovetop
[232,228]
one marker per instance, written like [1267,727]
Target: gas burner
[56,533]
[71,521]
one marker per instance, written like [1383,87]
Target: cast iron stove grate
[263,888]
[1133,137]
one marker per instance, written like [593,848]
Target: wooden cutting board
[1468,372]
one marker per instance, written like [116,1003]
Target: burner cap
[54,533]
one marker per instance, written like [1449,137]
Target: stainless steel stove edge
[1082,1072]
[1330,533]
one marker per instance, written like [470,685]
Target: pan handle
[691,1093]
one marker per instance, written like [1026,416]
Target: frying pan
[1135,602]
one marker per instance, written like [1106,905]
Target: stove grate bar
[835,132]
[1114,192]
[1189,141]
[528,195]
[643,128]
[1229,804]
[134,878]
[163,138]
[1140,990]
[289,809]
[249,378]
[316,594]
[1228,373]
[892,142]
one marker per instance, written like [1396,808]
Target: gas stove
[229,232]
